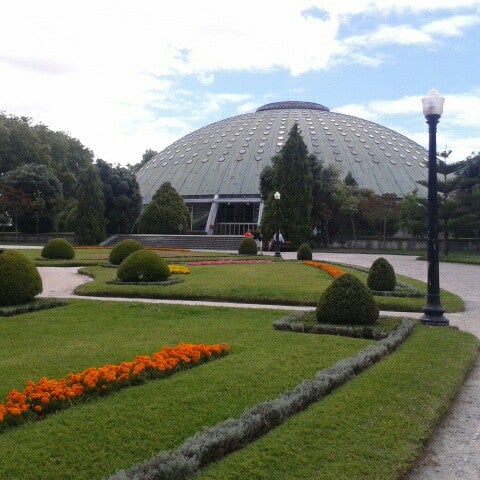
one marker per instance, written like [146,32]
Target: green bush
[347,301]
[143,266]
[247,246]
[122,250]
[19,278]
[304,252]
[58,248]
[381,276]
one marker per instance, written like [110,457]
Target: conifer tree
[90,220]
[165,213]
[293,179]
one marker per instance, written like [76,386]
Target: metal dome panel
[227,157]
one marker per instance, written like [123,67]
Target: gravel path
[454,451]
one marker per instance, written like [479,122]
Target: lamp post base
[433,316]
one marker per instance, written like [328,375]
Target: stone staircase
[198,242]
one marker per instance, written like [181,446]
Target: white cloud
[108,71]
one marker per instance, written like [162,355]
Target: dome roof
[227,157]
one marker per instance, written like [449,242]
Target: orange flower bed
[49,395]
[330,269]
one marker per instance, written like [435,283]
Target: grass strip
[372,428]
[287,283]
[216,442]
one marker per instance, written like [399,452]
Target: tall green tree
[293,179]
[90,219]
[123,202]
[165,213]
[325,182]
[413,214]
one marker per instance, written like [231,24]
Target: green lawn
[288,282]
[94,439]
[458,257]
[372,427]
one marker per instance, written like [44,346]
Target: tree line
[49,182]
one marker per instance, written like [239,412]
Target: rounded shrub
[58,248]
[143,266]
[247,246]
[347,301]
[381,276]
[122,250]
[19,278]
[304,252]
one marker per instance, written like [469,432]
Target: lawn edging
[214,443]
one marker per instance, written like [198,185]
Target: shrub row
[36,305]
[291,323]
[213,443]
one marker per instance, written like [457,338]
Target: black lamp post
[276,196]
[433,311]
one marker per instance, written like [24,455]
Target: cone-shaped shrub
[58,248]
[143,266]
[304,252]
[381,276]
[347,301]
[19,278]
[247,246]
[122,250]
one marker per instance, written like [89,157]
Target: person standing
[257,235]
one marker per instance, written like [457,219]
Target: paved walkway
[454,451]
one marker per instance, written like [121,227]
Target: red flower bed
[227,262]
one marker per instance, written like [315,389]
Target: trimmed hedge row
[36,305]
[290,324]
[214,443]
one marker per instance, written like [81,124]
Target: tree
[350,181]
[147,155]
[14,202]
[382,210]
[165,213]
[413,214]
[293,179]
[121,193]
[38,206]
[325,181]
[36,180]
[349,206]
[90,219]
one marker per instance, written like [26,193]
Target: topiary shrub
[304,252]
[19,278]
[122,250]
[58,248]
[347,301]
[143,266]
[381,276]
[247,246]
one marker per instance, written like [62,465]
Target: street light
[276,196]
[433,311]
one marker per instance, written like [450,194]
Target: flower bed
[330,269]
[48,395]
[227,262]
[178,269]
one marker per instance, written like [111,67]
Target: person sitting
[248,234]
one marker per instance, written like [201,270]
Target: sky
[126,76]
